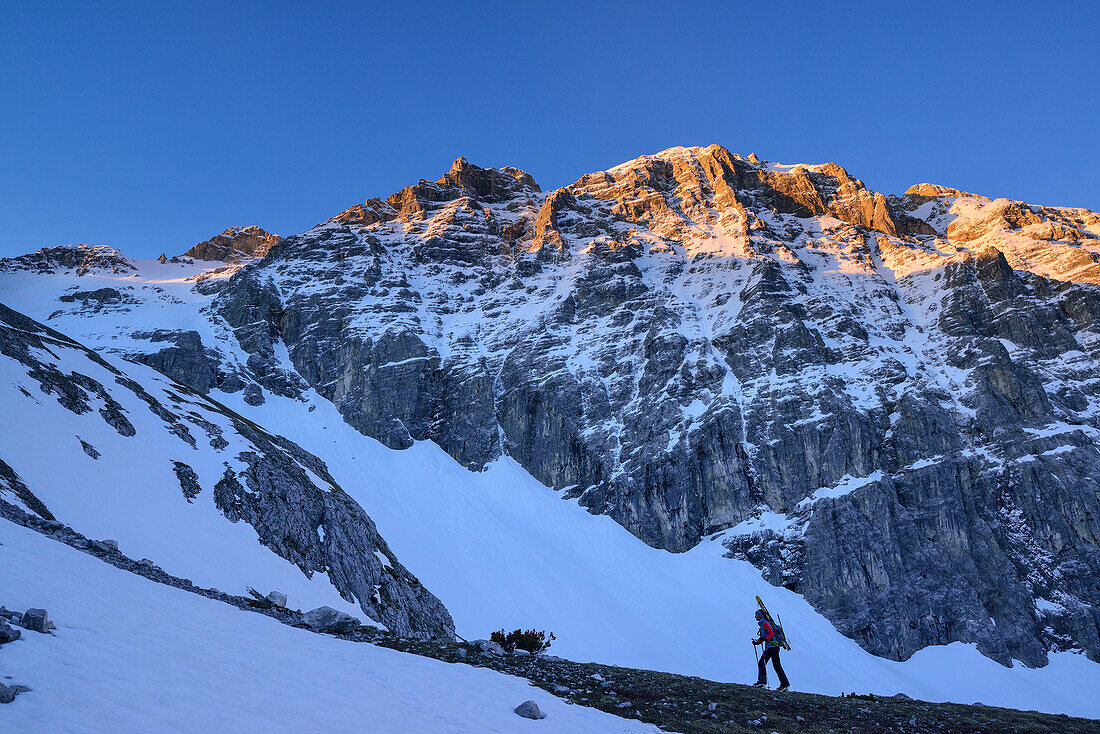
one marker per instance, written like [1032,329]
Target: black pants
[771,653]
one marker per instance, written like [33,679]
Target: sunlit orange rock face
[234,244]
[1055,242]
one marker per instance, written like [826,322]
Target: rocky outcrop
[186,361]
[234,244]
[75,259]
[369,212]
[98,296]
[327,619]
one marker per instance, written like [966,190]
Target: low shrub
[530,640]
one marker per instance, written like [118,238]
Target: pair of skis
[767,616]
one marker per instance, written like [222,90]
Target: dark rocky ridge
[80,259]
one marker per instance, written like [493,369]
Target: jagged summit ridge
[464,180]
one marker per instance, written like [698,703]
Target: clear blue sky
[151,128]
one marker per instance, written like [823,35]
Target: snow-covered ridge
[167,472]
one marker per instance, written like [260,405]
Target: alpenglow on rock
[887,403]
[234,244]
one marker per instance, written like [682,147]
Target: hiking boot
[784,687]
[759,684]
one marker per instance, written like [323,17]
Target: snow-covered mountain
[170,475]
[887,405]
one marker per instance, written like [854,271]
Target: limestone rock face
[692,339]
[185,360]
[234,244]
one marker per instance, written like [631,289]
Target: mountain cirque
[887,403]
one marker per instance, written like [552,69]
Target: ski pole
[755,654]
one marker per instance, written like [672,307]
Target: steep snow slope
[170,474]
[503,550]
[130,655]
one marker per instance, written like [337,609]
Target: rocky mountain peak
[369,212]
[698,194]
[464,180]
[234,244]
[82,259]
[935,191]
[889,405]
[490,184]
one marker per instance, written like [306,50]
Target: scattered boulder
[277,598]
[188,479]
[99,296]
[8,633]
[488,646]
[35,620]
[88,448]
[7,694]
[460,653]
[253,395]
[103,546]
[520,653]
[529,710]
[327,619]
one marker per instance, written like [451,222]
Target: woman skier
[771,652]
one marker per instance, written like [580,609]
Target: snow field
[130,655]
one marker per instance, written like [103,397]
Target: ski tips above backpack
[780,636]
